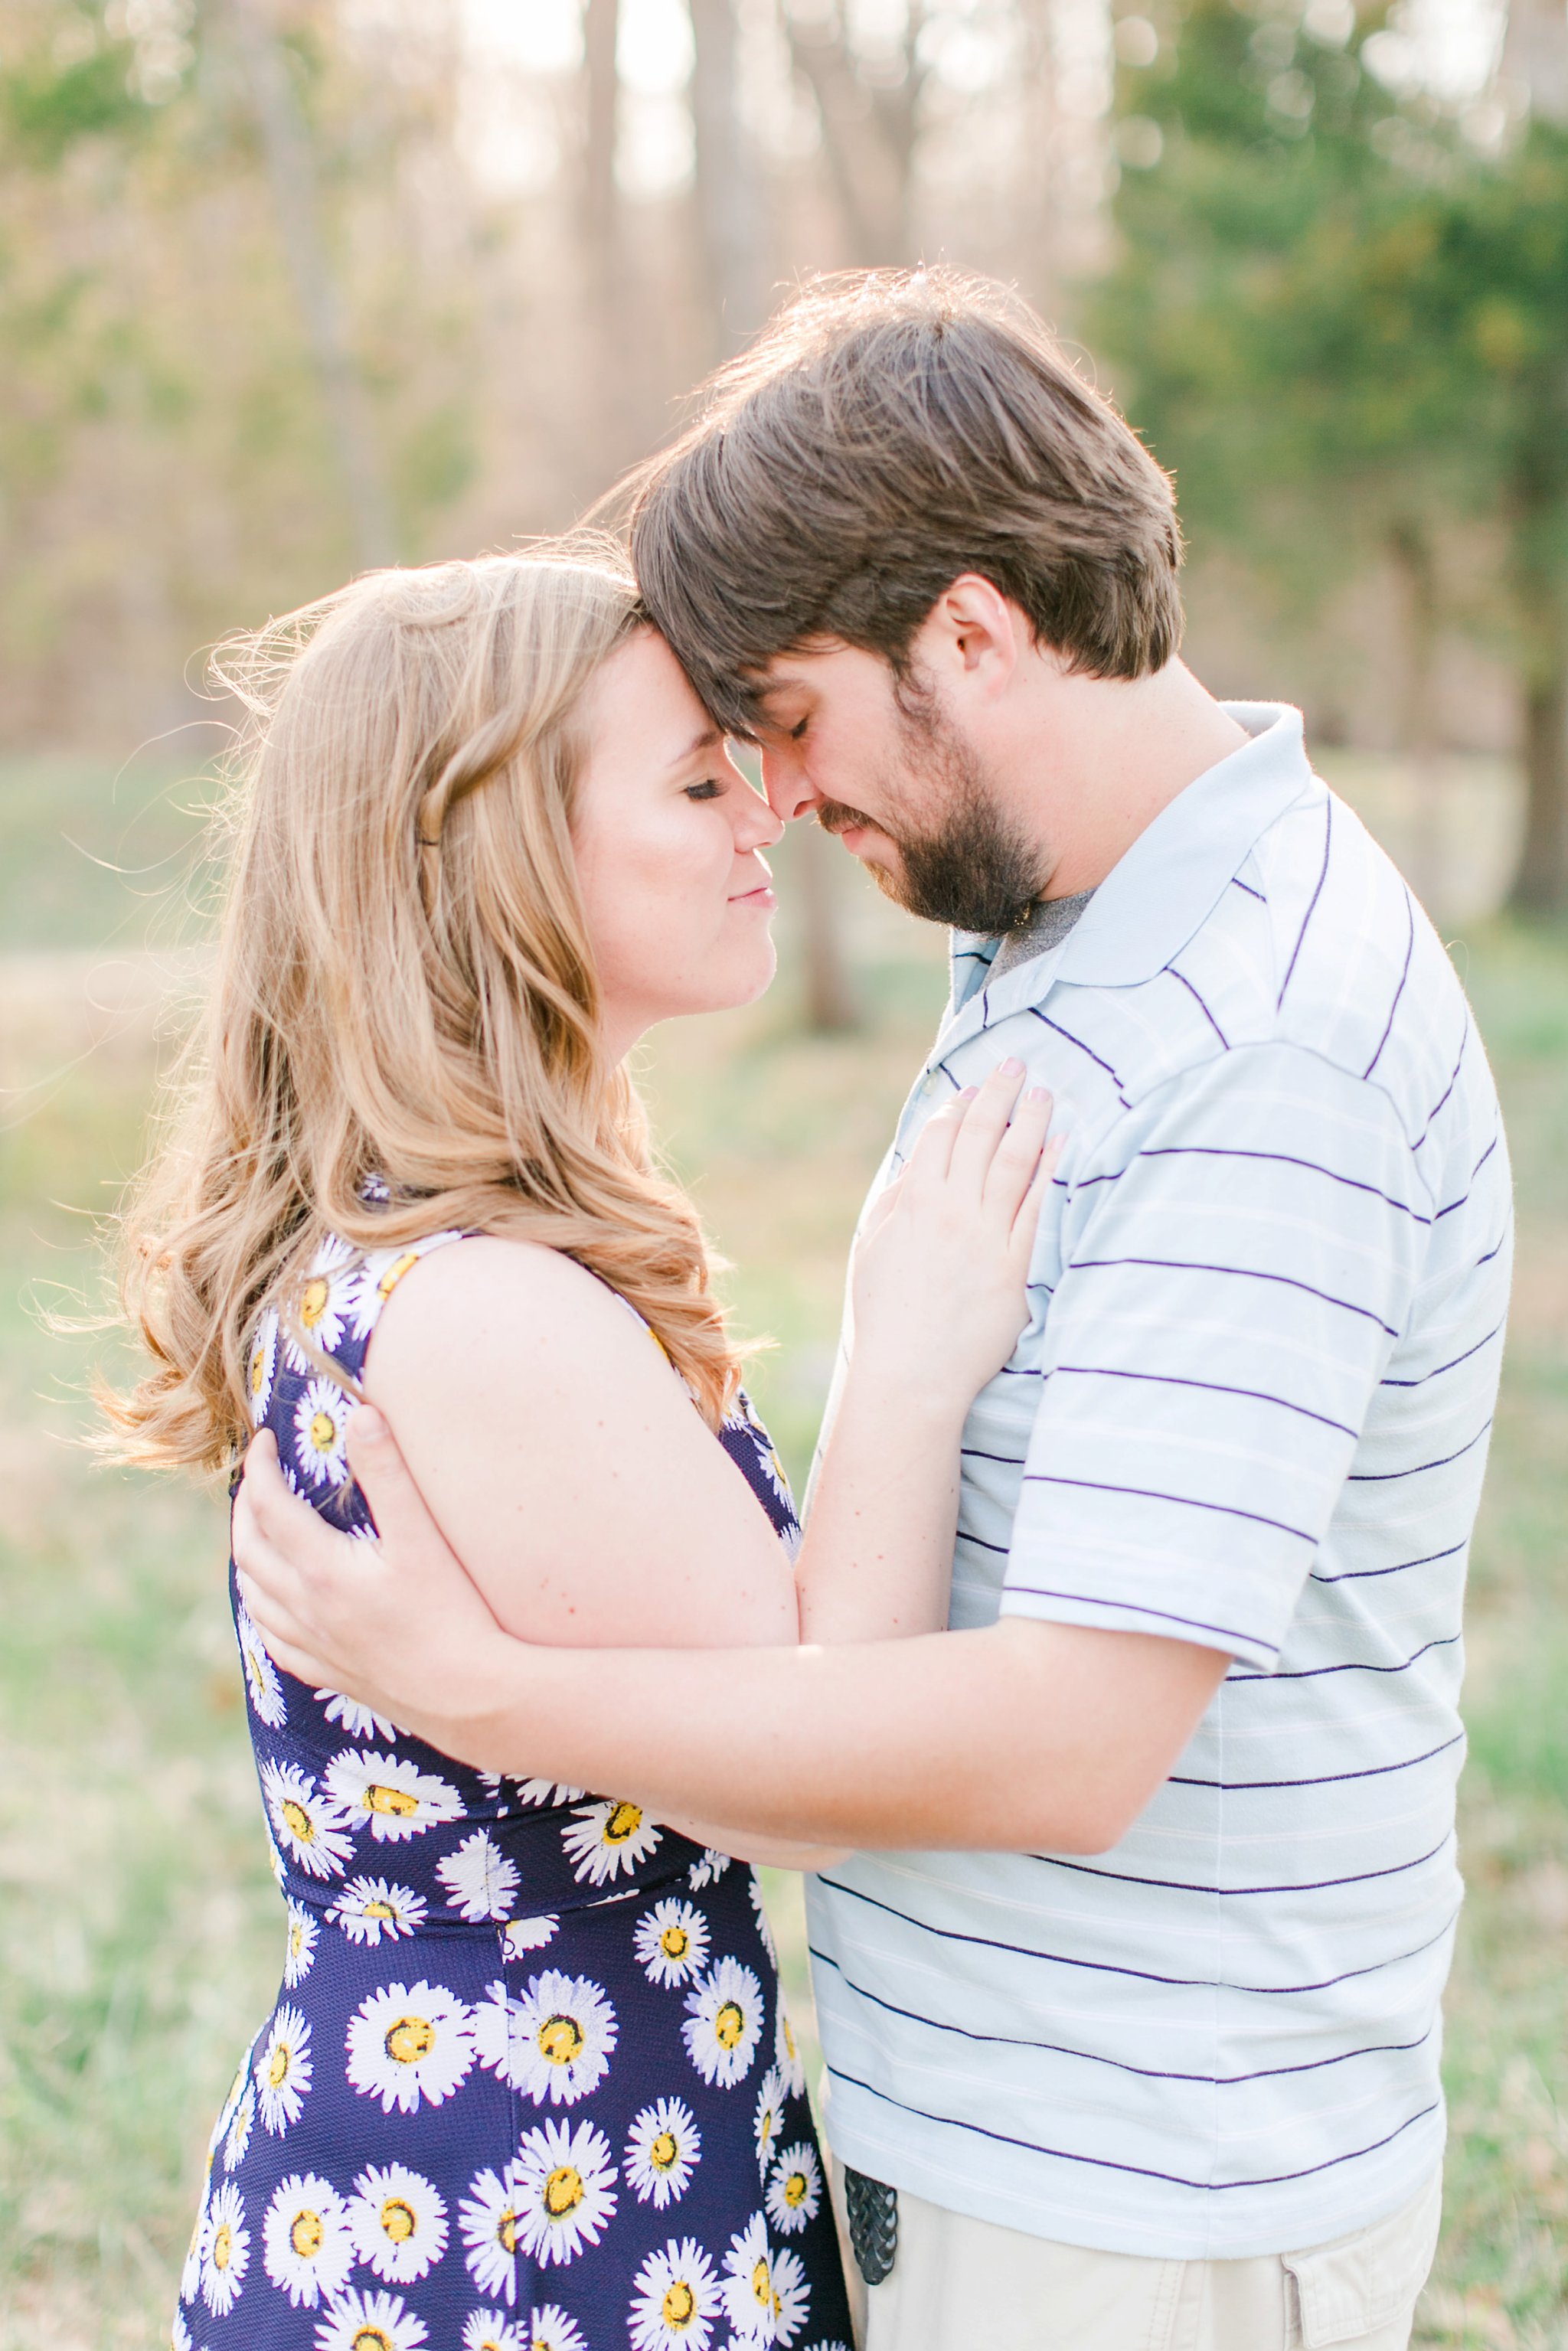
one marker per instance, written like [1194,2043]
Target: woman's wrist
[913,1391]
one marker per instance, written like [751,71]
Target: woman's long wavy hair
[405,989]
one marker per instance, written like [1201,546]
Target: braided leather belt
[872,2212]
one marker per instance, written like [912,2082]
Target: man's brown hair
[889,431]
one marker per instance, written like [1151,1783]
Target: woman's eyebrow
[699,743]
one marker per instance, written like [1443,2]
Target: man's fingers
[382,1475]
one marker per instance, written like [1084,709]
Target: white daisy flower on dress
[191,2268]
[478,1878]
[370,1907]
[313,1829]
[559,2037]
[409,2044]
[748,2283]
[664,2147]
[489,2330]
[488,2218]
[305,2241]
[357,1720]
[676,2300]
[795,2190]
[224,2252]
[370,2322]
[786,2053]
[399,2222]
[522,1935]
[390,1796]
[321,1432]
[551,1794]
[178,2333]
[261,1366]
[319,1310]
[282,2071]
[550,2329]
[709,1865]
[232,2097]
[791,2296]
[239,2130]
[769,2117]
[764,1923]
[671,1942]
[265,1689]
[603,1839]
[372,1282]
[566,2195]
[724,2023]
[298,1945]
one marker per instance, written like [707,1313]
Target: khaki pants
[959,2284]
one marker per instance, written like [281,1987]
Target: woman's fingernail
[1039,1093]
[969,1093]
[1012,1067]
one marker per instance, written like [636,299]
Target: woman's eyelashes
[799,730]
[709,789]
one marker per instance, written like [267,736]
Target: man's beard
[971,867]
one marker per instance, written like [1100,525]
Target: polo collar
[1168,882]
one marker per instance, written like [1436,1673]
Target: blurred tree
[296,197]
[733,231]
[868,103]
[1345,329]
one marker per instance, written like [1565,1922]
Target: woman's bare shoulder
[490,1304]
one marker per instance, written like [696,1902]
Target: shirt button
[929,1083]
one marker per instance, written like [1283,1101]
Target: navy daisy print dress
[528,2085]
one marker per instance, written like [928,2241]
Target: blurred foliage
[1346,330]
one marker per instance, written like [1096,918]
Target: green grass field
[139,1933]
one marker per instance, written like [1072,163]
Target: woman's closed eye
[710,789]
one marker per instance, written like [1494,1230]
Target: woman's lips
[763,900]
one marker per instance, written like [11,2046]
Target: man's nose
[790,793]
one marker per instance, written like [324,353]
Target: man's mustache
[834,817]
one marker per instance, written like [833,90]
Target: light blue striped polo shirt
[1252,1410]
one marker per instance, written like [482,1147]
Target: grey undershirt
[1046,925]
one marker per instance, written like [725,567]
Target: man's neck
[1117,751]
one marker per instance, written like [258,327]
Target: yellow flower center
[623,1822]
[398,2219]
[295,1940]
[795,2190]
[306,2234]
[380,1910]
[789,2039]
[313,1305]
[222,2247]
[409,2039]
[257,1370]
[728,2025]
[675,1942]
[370,2338]
[323,1432]
[277,2066]
[394,1274]
[299,1819]
[664,2151]
[560,2039]
[563,2191]
[762,2285]
[507,2231]
[680,2304]
[391,1799]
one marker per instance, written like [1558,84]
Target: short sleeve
[1238,1259]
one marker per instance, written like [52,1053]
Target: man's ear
[975,633]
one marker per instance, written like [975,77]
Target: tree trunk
[291,169]
[1411,552]
[609,441]
[831,1001]
[1541,887]
[869,132]
[732,228]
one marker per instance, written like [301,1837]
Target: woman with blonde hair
[528,2084]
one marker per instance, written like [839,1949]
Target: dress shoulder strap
[332,1313]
